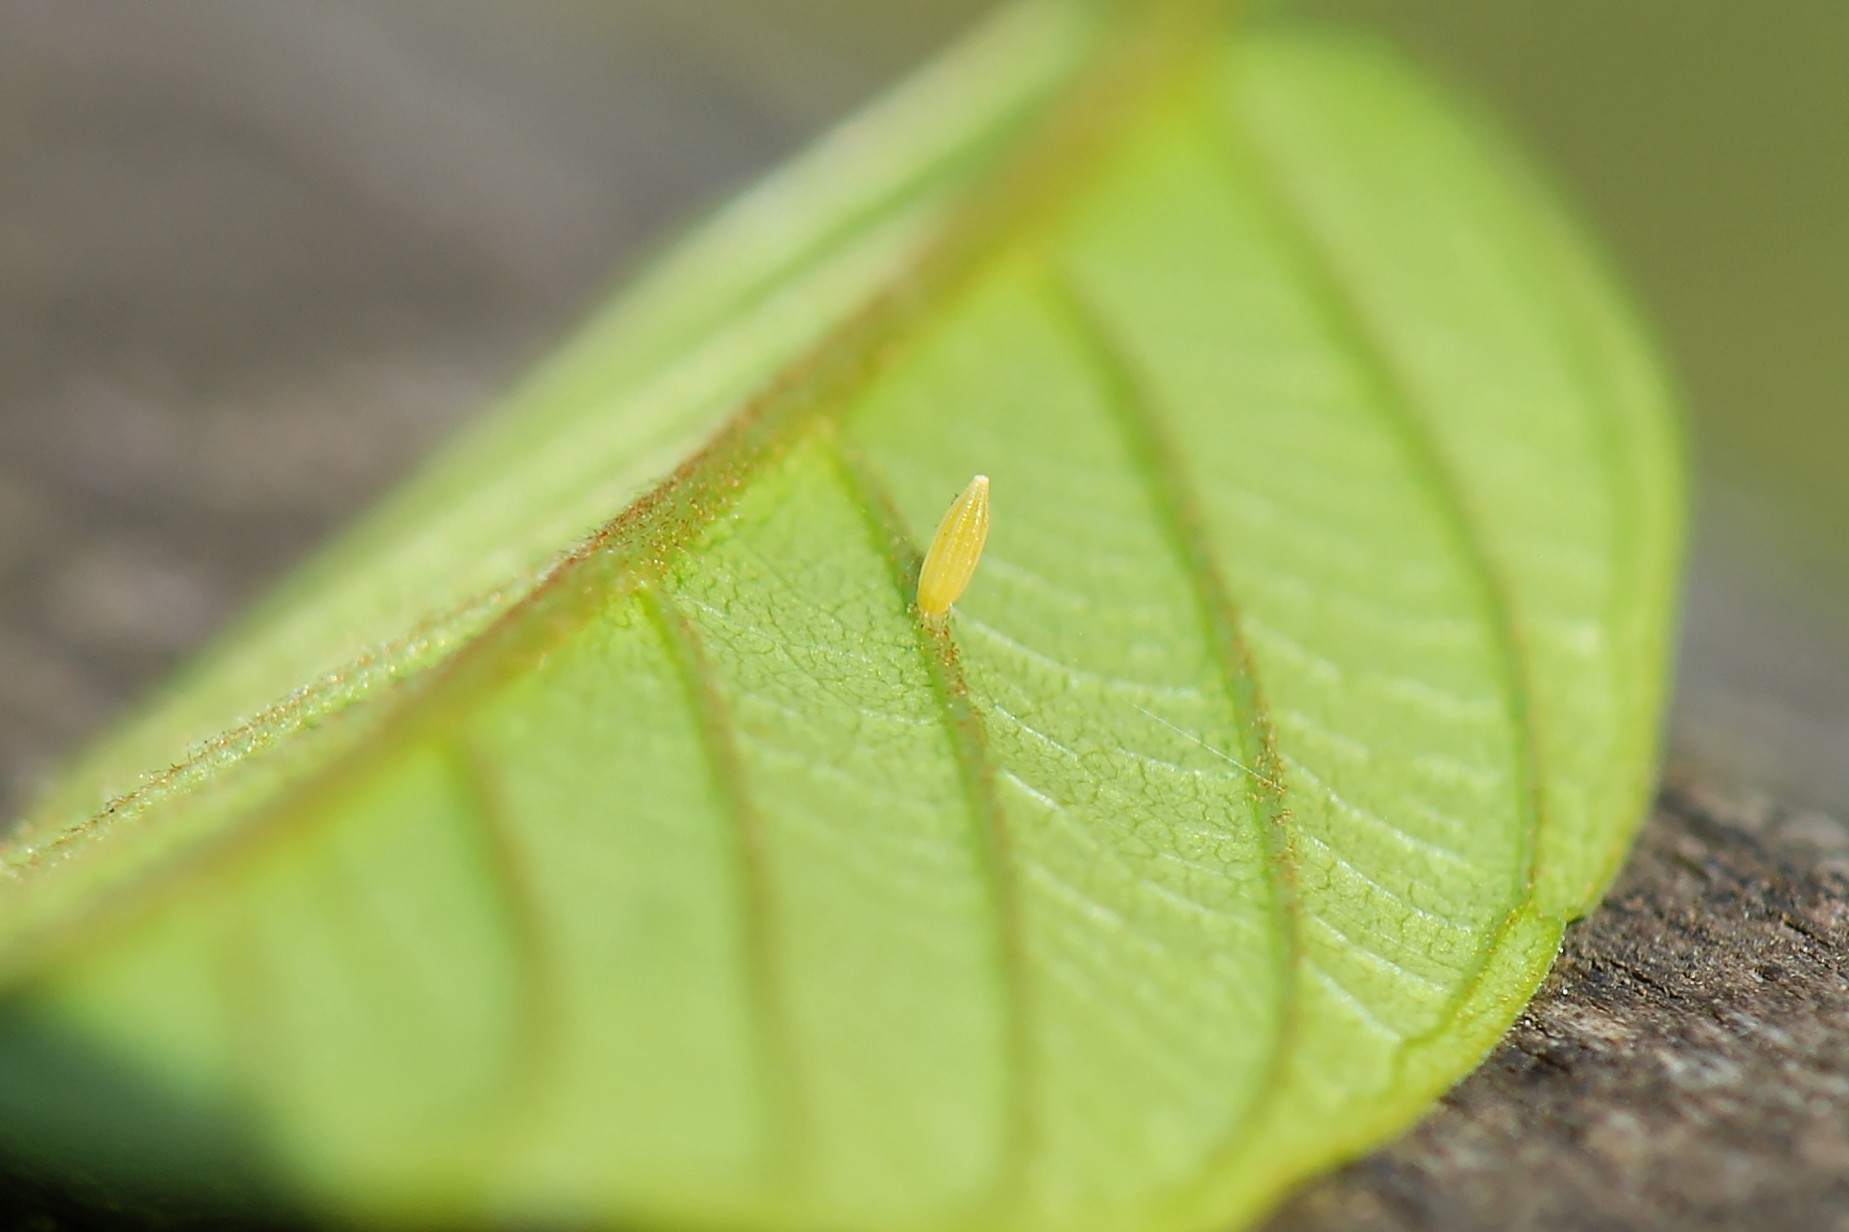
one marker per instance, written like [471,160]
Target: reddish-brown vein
[639,543]
[993,847]
[311,702]
[787,1120]
[1389,393]
[1165,475]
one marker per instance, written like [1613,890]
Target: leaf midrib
[1162,48]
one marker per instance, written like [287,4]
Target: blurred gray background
[258,256]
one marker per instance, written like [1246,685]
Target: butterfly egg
[951,560]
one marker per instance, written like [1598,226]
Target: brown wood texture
[1686,1065]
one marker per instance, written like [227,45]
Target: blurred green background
[258,256]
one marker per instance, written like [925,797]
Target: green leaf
[686,877]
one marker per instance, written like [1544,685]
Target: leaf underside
[685,877]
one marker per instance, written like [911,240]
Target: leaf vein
[760,944]
[1374,821]
[1075,674]
[1159,464]
[1355,333]
[1348,864]
[1354,1002]
[1372,955]
[993,846]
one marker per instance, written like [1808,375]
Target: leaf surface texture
[686,877]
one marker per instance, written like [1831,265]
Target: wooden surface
[1686,1066]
